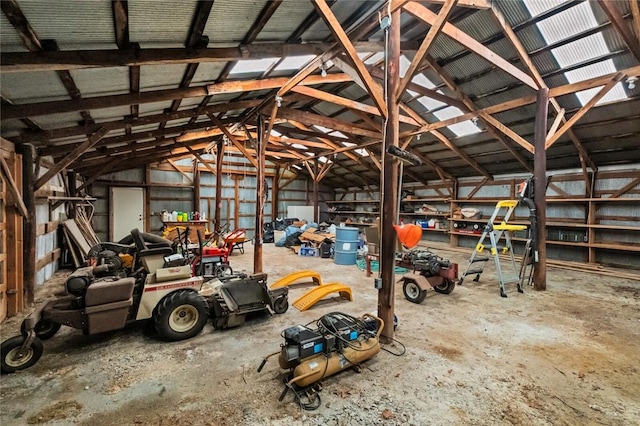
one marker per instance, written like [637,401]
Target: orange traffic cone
[409,234]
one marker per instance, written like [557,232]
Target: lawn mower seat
[151,258]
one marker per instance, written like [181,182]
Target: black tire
[446,287]
[223,270]
[181,315]
[10,348]
[281,304]
[45,329]
[413,292]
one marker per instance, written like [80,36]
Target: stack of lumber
[80,237]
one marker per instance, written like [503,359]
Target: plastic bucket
[346,246]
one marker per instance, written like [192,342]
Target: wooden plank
[421,12]
[332,123]
[426,44]
[635,12]
[55,107]
[618,22]
[77,152]
[45,228]
[52,256]
[77,236]
[578,115]
[336,28]
[507,131]
[233,140]
[15,192]
[556,123]
[351,104]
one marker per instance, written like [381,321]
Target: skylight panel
[253,65]
[275,133]
[375,58]
[459,129]
[580,50]
[430,104]
[298,146]
[323,129]
[360,151]
[555,28]
[323,159]
[294,62]
[595,70]
[338,134]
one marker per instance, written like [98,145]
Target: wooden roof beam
[73,155]
[469,42]
[578,115]
[632,41]
[526,60]
[443,15]
[97,102]
[334,25]
[233,139]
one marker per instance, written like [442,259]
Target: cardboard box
[173,273]
[309,251]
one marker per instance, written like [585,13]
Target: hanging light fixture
[323,70]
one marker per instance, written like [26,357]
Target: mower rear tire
[10,349]
[413,292]
[280,305]
[45,329]
[446,287]
[181,315]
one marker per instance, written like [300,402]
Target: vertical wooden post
[540,188]
[29,223]
[389,184]
[262,145]
[147,198]
[71,185]
[219,158]
[196,186]
[315,190]
[275,194]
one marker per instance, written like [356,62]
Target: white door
[126,212]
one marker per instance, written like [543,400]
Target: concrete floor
[565,356]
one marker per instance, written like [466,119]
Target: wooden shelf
[445,215]
[426,200]
[435,230]
[352,201]
[348,212]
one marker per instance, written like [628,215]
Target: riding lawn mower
[127,283]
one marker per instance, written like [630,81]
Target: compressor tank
[320,366]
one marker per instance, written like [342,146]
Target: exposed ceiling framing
[201,83]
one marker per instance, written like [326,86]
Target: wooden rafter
[626,188]
[332,123]
[526,60]
[578,115]
[635,13]
[55,107]
[82,59]
[172,164]
[618,22]
[351,104]
[324,138]
[233,140]
[70,158]
[101,171]
[13,188]
[342,37]
[470,161]
[556,123]
[528,100]
[463,38]
[443,15]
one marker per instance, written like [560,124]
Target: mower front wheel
[413,292]
[223,270]
[446,287]
[11,359]
[280,305]
[181,315]
[45,329]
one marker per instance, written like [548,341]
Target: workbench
[170,229]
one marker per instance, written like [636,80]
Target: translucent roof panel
[555,28]
[294,62]
[254,65]
[595,70]
[360,151]
[460,129]
[275,133]
[430,104]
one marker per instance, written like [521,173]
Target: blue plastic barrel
[346,245]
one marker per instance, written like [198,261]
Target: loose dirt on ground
[565,356]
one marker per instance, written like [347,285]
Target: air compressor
[308,355]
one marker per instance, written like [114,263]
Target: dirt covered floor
[566,356]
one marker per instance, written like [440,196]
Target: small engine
[428,263]
[78,282]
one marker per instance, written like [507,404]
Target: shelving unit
[353,213]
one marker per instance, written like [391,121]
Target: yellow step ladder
[495,231]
